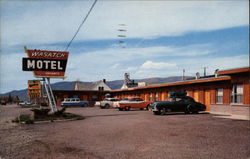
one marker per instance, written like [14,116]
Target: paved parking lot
[112,134]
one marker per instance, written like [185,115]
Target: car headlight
[153,104]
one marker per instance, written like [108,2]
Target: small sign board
[46,63]
[34,89]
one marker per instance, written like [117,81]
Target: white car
[25,103]
[108,102]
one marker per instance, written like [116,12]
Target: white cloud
[111,64]
[47,22]
[11,75]
[156,65]
[115,66]
[130,69]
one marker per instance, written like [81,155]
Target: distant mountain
[116,84]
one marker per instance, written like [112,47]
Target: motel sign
[30,64]
[46,63]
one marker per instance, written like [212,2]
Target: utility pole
[122,35]
[183,75]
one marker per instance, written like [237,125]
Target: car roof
[71,98]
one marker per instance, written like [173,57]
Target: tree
[17,99]
[10,100]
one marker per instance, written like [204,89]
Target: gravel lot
[113,134]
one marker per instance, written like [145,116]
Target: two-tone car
[71,102]
[184,104]
[108,103]
[133,102]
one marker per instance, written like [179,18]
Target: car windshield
[125,99]
[136,99]
[189,99]
[66,99]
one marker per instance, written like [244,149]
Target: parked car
[3,102]
[108,103]
[25,104]
[133,102]
[74,102]
[177,103]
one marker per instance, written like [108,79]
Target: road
[113,134]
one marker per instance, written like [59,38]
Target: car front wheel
[127,108]
[163,111]
[107,106]
[157,113]
[85,105]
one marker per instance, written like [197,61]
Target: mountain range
[116,84]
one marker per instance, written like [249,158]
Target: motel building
[227,92]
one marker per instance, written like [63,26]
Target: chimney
[216,73]
[197,75]
[104,80]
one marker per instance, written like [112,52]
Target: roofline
[204,80]
[97,91]
[233,71]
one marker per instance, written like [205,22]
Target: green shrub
[24,118]
[40,113]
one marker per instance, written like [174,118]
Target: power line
[81,25]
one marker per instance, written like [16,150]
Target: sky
[162,37]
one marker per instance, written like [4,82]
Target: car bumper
[154,109]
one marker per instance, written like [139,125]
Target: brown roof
[204,80]
[233,71]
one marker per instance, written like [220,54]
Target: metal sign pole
[47,92]
[50,95]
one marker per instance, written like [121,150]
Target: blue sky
[163,37]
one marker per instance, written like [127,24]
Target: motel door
[84,97]
[207,100]
[196,96]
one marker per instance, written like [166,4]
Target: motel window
[151,97]
[101,88]
[94,97]
[237,94]
[219,96]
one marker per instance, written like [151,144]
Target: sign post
[46,64]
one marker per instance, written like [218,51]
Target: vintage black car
[178,102]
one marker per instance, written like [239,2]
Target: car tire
[127,108]
[157,113]
[163,111]
[192,109]
[107,106]
[195,112]
[189,109]
[85,105]
[120,109]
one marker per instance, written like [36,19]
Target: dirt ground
[113,134]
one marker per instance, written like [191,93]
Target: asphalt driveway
[112,134]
